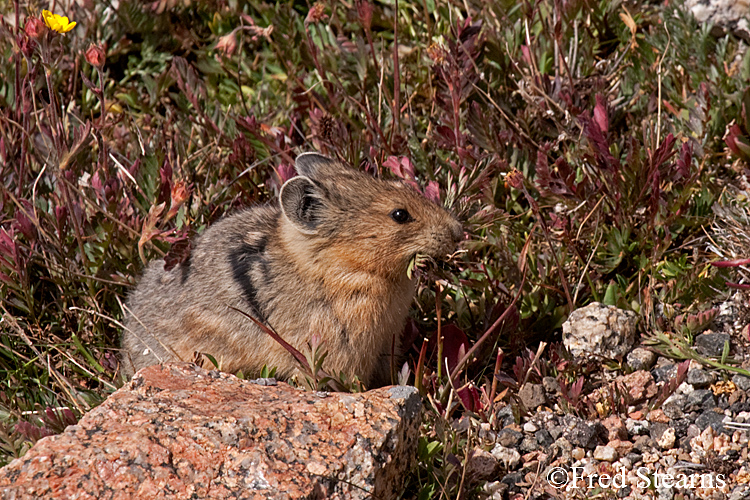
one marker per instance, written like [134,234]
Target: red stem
[495,325]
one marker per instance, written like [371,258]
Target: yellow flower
[61,24]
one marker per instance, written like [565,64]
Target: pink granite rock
[178,431]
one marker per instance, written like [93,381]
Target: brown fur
[330,260]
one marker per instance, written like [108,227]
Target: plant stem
[396,128]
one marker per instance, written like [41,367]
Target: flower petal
[68,26]
[61,24]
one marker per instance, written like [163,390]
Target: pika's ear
[316,166]
[302,203]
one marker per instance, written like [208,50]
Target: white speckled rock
[600,330]
[724,15]
[667,440]
[605,453]
[509,457]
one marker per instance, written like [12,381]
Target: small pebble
[693,431]
[635,458]
[667,439]
[551,385]
[510,458]
[699,378]
[636,427]
[509,438]
[605,453]
[701,398]
[641,359]
[530,427]
[742,382]
[544,438]
[711,344]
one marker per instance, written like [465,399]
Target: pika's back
[330,259]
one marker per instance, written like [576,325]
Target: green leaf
[267,372]
[725,353]
[211,359]
[93,362]
[610,296]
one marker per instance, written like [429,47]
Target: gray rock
[600,330]
[739,407]
[699,378]
[578,432]
[512,481]
[657,429]
[637,427]
[680,426]
[700,399]
[264,381]
[641,359]
[562,447]
[664,371]
[463,424]
[711,344]
[544,438]
[552,386]
[409,400]
[532,396]
[634,458]
[624,492]
[528,444]
[742,382]
[664,493]
[555,431]
[505,416]
[508,457]
[480,466]
[674,406]
[509,438]
[711,418]
[740,492]
[643,443]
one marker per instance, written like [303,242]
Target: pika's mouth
[426,263]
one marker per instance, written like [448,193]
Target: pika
[330,259]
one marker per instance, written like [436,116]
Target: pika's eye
[401,215]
